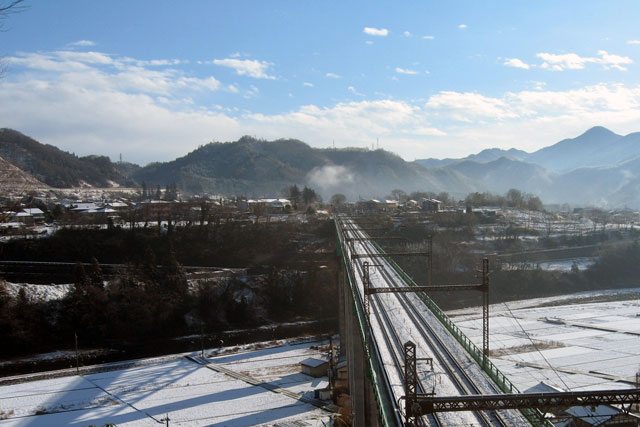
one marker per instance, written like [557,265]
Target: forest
[287,275]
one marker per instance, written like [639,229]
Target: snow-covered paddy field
[190,394]
[585,341]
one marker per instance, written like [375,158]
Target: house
[36,213]
[83,206]
[585,416]
[601,415]
[269,206]
[23,217]
[314,367]
[430,205]
[375,205]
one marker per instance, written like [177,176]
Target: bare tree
[8,7]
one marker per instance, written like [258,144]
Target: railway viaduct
[398,343]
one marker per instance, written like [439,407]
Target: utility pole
[75,334]
[201,340]
[166,420]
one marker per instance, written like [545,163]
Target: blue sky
[153,80]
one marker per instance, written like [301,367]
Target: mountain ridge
[256,167]
[55,167]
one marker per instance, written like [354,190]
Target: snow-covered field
[565,265]
[190,394]
[38,292]
[586,341]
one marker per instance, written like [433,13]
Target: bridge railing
[375,369]
[506,386]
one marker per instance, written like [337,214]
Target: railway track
[428,339]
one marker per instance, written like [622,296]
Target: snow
[404,329]
[191,394]
[568,264]
[583,345]
[39,293]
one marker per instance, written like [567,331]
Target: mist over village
[319,214]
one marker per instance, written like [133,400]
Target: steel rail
[451,365]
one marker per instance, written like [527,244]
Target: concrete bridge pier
[364,409]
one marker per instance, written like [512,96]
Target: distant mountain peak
[598,132]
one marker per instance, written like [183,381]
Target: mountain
[598,167]
[256,168]
[505,173]
[58,168]
[486,155]
[601,186]
[12,178]
[596,147]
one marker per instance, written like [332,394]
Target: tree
[144,190]
[8,7]
[534,203]
[171,192]
[338,199]
[445,198]
[309,195]
[514,198]
[399,195]
[294,195]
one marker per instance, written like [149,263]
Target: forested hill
[258,167]
[58,168]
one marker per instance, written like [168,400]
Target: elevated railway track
[422,369]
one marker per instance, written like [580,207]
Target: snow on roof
[33,211]
[313,362]
[85,206]
[11,224]
[594,415]
[542,387]
[117,204]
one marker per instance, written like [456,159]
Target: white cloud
[83,43]
[103,104]
[382,32]
[159,62]
[538,85]
[333,76]
[405,71]
[573,61]
[252,92]
[246,67]
[633,41]
[428,37]
[307,84]
[567,61]
[407,34]
[614,61]
[354,91]
[468,106]
[517,63]
[462,26]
